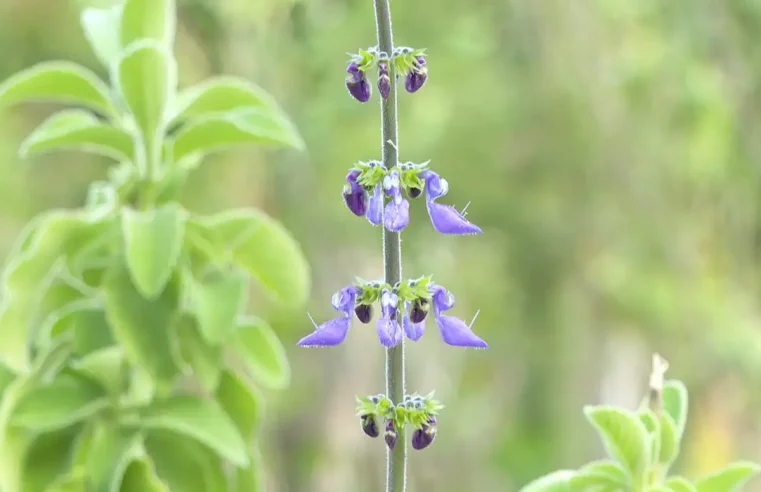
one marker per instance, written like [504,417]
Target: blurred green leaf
[242,403]
[84,319]
[184,464]
[204,359]
[141,325]
[6,378]
[218,299]
[58,81]
[729,479]
[250,478]
[153,242]
[109,454]
[600,474]
[148,19]
[244,126]
[47,459]
[201,419]
[101,28]
[624,435]
[669,448]
[653,426]
[680,484]
[140,476]
[675,403]
[103,366]
[78,129]
[73,482]
[558,481]
[262,351]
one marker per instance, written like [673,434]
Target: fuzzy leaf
[184,464]
[675,403]
[624,435]
[200,419]
[105,367]
[669,440]
[153,242]
[250,478]
[601,474]
[242,403]
[558,481]
[262,351]
[729,479]
[58,81]
[204,359]
[77,129]
[218,299]
[101,28]
[219,95]
[109,454]
[140,476]
[680,484]
[47,459]
[148,19]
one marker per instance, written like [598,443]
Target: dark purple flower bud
[390,435]
[370,425]
[419,310]
[423,437]
[414,192]
[416,76]
[364,313]
[357,83]
[355,195]
[384,81]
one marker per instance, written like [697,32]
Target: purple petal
[389,332]
[375,209]
[343,300]
[445,218]
[413,330]
[443,300]
[397,215]
[328,334]
[455,332]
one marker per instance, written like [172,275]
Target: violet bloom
[334,332]
[357,83]
[414,322]
[453,330]
[423,437]
[369,425]
[397,212]
[355,195]
[389,331]
[390,435]
[375,207]
[416,76]
[445,218]
[384,81]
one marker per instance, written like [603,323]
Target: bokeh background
[611,150]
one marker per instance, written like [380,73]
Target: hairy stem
[396,468]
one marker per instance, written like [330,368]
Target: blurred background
[611,150]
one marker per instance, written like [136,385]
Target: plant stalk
[396,467]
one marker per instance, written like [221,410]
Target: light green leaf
[669,440]
[148,19]
[264,248]
[219,95]
[601,474]
[244,126]
[680,484]
[658,488]
[65,401]
[140,476]
[47,459]
[675,403]
[250,478]
[109,454]
[204,359]
[262,352]
[141,325]
[218,299]
[201,419]
[101,28]
[105,367]
[58,81]
[242,403]
[184,464]
[653,426]
[624,435]
[85,319]
[74,482]
[153,243]
[558,481]
[77,129]
[6,378]
[729,479]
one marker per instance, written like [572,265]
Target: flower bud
[357,83]
[356,200]
[364,312]
[384,81]
[423,437]
[390,435]
[416,76]
[370,425]
[414,192]
[419,310]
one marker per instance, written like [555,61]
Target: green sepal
[371,291]
[410,179]
[371,175]
[418,288]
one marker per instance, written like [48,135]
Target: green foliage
[128,361]
[642,446]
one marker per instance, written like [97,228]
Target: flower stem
[396,468]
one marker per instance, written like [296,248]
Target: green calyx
[415,409]
[403,59]
[373,172]
[407,290]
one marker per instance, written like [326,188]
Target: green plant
[128,362]
[642,446]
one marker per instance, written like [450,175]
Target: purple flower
[416,76]
[397,211]
[445,218]
[453,330]
[423,437]
[334,332]
[389,331]
[390,435]
[357,83]
[414,322]
[375,208]
[369,425]
[355,195]
[384,81]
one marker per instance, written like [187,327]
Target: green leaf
[218,299]
[675,403]
[242,403]
[729,479]
[153,242]
[101,28]
[624,435]
[653,426]
[185,465]
[77,129]
[65,401]
[109,454]
[264,248]
[669,440]
[47,459]
[244,126]
[680,484]
[105,367]
[601,474]
[6,378]
[141,325]
[219,95]
[74,482]
[250,478]
[201,419]
[262,352]
[85,319]
[558,481]
[658,488]
[148,19]
[205,360]
[140,476]
[58,81]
